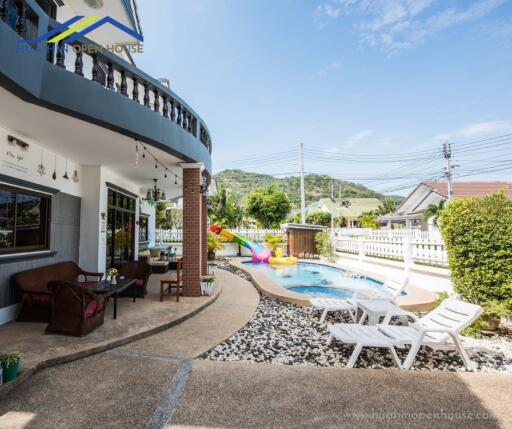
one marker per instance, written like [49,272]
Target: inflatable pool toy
[280,259]
[260,253]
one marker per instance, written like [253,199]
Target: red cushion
[139,282]
[41,300]
[86,284]
[92,309]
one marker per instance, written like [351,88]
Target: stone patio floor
[134,320]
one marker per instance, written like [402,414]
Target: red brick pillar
[204,235]
[192,237]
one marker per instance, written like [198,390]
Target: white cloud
[356,138]
[334,66]
[478,130]
[394,25]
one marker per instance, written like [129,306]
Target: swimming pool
[317,280]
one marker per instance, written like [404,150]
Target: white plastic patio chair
[390,290]
[438,330]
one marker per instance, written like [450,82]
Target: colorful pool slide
[260,254]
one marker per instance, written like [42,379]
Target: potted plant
[493,312]
[10,365]
[212,266]
[274,242]
[214,244]
[111,275]
[207,285]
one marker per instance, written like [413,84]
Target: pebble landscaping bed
[283,333]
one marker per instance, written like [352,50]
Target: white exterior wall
[22,164]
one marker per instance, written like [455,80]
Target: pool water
[317,280]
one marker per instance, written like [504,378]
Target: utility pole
[333,206]
[447,151]
[302,193]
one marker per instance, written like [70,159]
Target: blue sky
[357,78]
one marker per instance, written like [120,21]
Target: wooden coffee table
[108,289]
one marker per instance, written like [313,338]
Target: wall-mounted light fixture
[17,141]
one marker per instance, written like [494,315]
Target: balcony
[87,82]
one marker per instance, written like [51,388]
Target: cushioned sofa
[36,297]
[140,271]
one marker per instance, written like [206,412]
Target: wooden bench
[174,280]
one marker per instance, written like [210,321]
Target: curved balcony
[95,86]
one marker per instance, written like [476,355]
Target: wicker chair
[140,271]
[75,309]
[36,297]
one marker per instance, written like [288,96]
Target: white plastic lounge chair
[388,292]
[438,330]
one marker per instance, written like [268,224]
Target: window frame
[15,250]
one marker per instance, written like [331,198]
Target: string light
[157,162]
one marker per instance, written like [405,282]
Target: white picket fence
[410,246]
[176,235]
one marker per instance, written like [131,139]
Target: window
[143,229]
[24,221]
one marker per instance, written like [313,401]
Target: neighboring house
[410,213]
[355,208]
[83,135]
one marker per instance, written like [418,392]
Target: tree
[433,211]
[161,215]
[388,206]
[319,218]
[225,210]
[268,206]
[368,220]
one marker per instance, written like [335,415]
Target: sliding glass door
[120,229]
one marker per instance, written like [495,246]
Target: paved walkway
[156,383]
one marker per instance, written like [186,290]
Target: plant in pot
[324,246]
[214,244]
[274,242]
[207,285]
[10,365]
[212,266]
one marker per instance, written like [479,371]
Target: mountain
[316,186]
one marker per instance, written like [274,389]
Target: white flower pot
[206,288]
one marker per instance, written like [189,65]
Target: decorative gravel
[283,333]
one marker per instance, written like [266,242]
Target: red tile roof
[470,189]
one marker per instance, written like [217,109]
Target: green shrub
[324,245]
[273,241]
[478,237]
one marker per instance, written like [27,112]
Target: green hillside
[316,186]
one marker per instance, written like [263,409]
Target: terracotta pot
[493,323]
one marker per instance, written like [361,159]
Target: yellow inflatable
[280,259]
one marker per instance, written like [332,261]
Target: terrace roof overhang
[30,76]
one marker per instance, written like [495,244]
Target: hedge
[478,237]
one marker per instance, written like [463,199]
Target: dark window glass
[111,195]
[24,219]
[7,199]
[120,229]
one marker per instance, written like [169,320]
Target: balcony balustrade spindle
[165,109]
[135,92]
[21,20]
[4,10]
[173,111]
[110,76]
[61,55]
[79,64]
[184,123]
[179,115]
[156,105]
[189,123]
[146,94]
[95,69]
[124,84]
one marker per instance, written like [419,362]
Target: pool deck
[417,299]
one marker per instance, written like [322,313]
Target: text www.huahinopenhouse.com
[420,415]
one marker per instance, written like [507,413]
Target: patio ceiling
[88,144]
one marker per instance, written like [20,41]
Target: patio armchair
[140,271]
[33,284]
[174,280]
[75,310]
